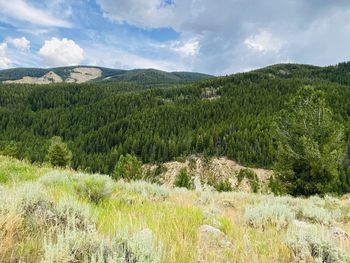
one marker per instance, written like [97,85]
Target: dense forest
[227,116]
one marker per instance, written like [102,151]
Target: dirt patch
[81,75]
[50,77]
[217,169]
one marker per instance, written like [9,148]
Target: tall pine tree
[310,145]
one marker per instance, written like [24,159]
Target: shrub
[94,187]
[269,214]
[128,168]
[58,153]
[183,179]
[206,197]
[54,178]
[318,215]
[145,189]
[70,212]
[28,200]
[161,169]
[314,245]
[140,248]
[275,185]
[252,178]
[154,175]
[31,203]
[73,245]
[331,201]
[223,186]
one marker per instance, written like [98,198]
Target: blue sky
[217,37]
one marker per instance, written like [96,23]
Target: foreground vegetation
[53,215]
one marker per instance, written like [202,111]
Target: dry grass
[31,222]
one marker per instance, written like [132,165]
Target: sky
[217,37]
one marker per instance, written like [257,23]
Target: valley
[143,167]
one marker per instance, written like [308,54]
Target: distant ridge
[81,74]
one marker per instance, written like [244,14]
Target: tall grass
[62,216]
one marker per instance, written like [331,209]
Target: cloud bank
[233,35]
[61,52]
[216,37]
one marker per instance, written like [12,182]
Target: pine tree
[311,145]
[58,153]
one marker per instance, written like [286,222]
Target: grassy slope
[174,216]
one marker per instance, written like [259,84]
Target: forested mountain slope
[228,116]
[81,74]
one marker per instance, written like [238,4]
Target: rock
[339,234]
[283,72]
[214,236]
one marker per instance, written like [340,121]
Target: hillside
[49,215]
[81,74]
[227,116]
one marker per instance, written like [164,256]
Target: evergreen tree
[311,145]
[58,153]
[128,168]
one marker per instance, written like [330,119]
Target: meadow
[61,215]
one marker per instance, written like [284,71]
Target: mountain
[228,116]
[81,74]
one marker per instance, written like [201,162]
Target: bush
[318,215]
[26,200]
[128,168]
[70,212]
[252,178]
[269,214]
[154,175]
[145,189]
[223,186]
[73,245]
[94,187]
[183,179]
[314,245]
[54,178]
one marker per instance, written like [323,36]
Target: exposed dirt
[217,168]
[50,77]
[81,75]
[77,75]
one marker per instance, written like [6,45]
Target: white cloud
[185,49]
[264,42]
[22,43]
[61,52]
[103,55]
[150,13]
[229,33]
[4,61]
[21,10]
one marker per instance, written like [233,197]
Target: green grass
[13,171]
[38,203]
